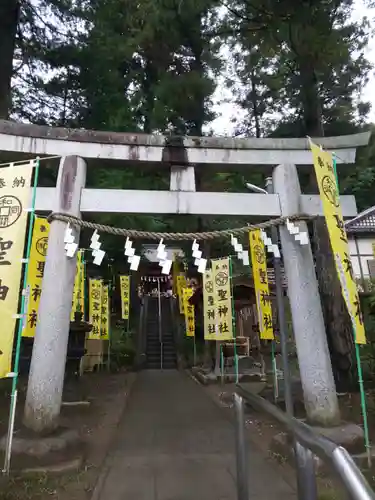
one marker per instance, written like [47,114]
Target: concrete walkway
[174,443]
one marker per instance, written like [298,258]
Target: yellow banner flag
[37,260]
[262,292]
[181,284]
[189,312]
[175,271]
[125,296]
[78,302]
[95,307]
[105,325]
[329,194]
[15,196]
[222,299]
[209,306]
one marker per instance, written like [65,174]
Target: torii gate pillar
[309,331]
[46,379]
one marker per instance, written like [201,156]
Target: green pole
[13,400]
[358,360]
[274,371]
[222,364]
[233,320]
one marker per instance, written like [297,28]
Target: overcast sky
[223,126]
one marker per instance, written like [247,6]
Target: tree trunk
[336,317]
[311,105]
[254,103]
[8,28]
[150,77]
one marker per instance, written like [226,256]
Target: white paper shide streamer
[71,245]
[129,252]
[241,253]
[162,256]
[97,252]
[199,261]
[271,247]
[300,236]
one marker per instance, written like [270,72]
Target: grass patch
[43,486]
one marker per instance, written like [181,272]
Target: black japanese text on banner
[37,260]
[209,306]
[105,326]
[223,299]
[95,306]
[15,198]
[329,194]
[189,312]
[125,296]
[260,278]
[181,284]
[78,303]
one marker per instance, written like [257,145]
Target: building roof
[363,222]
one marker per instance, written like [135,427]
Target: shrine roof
[364,222]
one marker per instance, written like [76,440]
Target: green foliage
[148,67]
[361,181]
[123,350]
[303,62]
[153,66]
[367,351]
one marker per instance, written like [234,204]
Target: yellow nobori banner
[78,303]
[15,195]
[181,284]
[105,325]
[222,299]
[37,260]
[175,271]
[329,194]
[260,277]
[209,306]
[95,307]
[189,312]
[125,296]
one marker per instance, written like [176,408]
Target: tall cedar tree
[315,72]
[9,10]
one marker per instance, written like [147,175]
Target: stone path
[174,443]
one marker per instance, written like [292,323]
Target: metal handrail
[307,444]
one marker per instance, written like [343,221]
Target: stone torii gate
[81,149]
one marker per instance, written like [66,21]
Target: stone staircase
[154,350]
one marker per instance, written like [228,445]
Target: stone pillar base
[348,435]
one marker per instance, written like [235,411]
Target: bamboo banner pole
[13,401]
